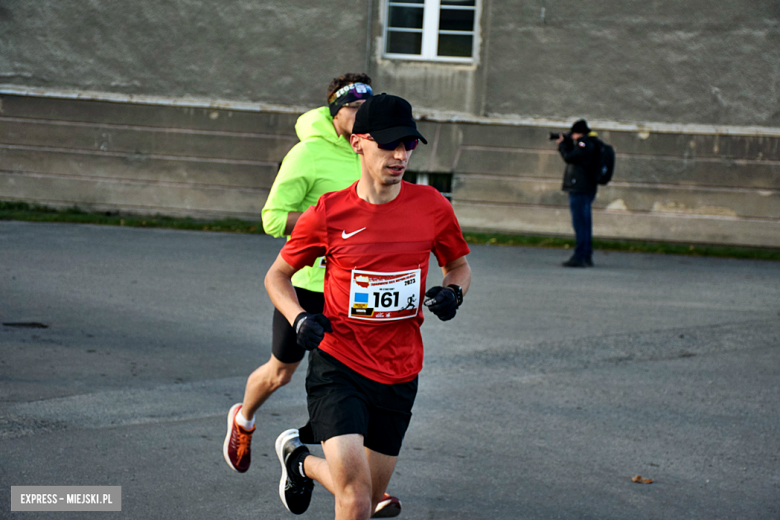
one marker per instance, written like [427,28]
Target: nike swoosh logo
[346,235]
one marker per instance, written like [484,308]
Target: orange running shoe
[238,443]
[388,508]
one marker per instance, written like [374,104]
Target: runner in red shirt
[366,348]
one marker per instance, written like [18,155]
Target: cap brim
[396,133]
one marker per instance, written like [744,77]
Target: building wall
[630,61]
[635,60]
[668,186]
[618,60]
[212,162]
[187,107]
[145,159]
[270,51]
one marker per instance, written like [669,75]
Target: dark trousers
[582,220]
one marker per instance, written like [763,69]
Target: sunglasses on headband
[409,144]
[360,90]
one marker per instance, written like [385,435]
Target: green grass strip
[37,213]
[633,246]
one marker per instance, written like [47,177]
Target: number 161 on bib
[378,296]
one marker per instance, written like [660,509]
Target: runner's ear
[354,141]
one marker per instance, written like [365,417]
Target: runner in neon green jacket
[322,162]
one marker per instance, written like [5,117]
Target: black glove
[310,329]
[442,301]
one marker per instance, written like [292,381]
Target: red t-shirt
[377,262]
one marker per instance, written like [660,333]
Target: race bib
[384,296]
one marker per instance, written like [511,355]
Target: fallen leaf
[639,480]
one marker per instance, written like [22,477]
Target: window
[440,30]
[440,181]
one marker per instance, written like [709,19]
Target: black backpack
[604,166]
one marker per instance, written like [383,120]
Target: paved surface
[550,390]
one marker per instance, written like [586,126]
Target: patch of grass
[634,246]
[38,213]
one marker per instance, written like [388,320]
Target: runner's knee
[279,374]
[283,376]
[356,502]
[272,376]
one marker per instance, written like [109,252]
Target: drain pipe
[368,35]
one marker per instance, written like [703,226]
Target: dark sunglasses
[409,144]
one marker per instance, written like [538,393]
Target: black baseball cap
[386,118]
[580,127]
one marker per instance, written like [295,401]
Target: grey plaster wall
[274,51]
[696,61]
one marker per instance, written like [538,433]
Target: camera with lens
[554,136]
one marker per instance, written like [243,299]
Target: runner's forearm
[280,289]
[292,218]
[457,272]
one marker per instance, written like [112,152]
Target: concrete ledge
[646,198]
[192,157]
[434,116]
[150,168]
[140,197]
[515,219]
[729,173]
[144,140]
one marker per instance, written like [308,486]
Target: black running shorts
[284,343]
[342,402]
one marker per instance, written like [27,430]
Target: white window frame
[430,32]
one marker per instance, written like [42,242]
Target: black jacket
[580,157]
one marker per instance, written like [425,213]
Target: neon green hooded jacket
[322,162]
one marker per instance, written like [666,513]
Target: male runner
[366,347]
[321,162]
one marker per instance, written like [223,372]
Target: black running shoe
[573,262]
[294,490]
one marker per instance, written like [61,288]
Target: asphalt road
[547,393]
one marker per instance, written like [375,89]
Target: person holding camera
[579,149]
